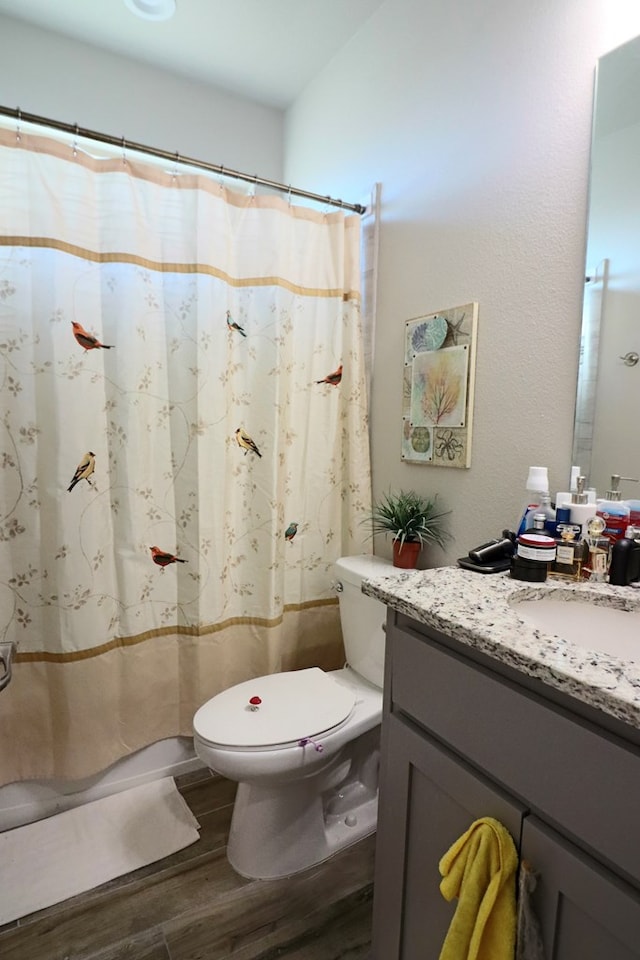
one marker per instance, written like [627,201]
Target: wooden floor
[192,906]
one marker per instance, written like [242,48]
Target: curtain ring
[175,166]
[124,156]
[289,195]
[75,141]
[18,119]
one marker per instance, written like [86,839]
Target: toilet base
[277,831]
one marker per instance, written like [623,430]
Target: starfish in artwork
[455,329]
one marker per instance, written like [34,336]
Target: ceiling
[267,50]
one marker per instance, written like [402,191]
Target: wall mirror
[607,424]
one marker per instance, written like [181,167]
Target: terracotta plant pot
[406,555]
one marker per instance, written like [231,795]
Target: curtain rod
[77,131]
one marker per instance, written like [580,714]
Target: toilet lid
[294,705]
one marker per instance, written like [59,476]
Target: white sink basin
[589,625]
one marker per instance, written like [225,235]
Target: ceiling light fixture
[152,9]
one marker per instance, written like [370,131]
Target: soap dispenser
[614,511]
[580,509]
[563,497]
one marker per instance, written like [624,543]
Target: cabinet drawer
[584,782]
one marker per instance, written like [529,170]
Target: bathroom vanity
[488,715]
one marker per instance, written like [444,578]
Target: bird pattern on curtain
[184,451]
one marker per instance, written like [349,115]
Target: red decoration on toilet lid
[293,705]
[255,701]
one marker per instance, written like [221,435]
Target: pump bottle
[580,509]
[563,497]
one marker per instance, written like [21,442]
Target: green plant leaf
[409,516]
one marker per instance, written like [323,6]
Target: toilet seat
[300,704]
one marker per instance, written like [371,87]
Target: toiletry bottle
[614,511]
[538,524]
[580,510]
[634,512]
[537,484]
[571,551]
[543,509]
[625,560]
[596,563]
[563,497]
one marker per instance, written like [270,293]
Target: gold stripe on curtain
[195,268]
[76,719]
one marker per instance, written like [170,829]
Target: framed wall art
[438,385]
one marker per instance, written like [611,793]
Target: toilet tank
[362,617]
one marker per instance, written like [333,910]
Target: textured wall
[476,118]
[53,76]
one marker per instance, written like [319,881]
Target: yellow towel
[480,870]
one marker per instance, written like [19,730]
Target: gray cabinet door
[585,912]
[428,798]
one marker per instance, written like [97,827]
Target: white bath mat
[48,861]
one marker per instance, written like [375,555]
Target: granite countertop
[475,609]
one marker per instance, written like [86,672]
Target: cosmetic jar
[535,552]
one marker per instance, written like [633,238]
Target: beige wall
[476,118]
[53,76]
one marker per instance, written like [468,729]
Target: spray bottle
[537,487]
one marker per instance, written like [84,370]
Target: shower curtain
[184,446]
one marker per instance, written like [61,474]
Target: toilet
[304,745]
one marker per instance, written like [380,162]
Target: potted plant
[414,520]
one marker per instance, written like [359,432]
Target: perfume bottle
[596,563]
[571,552]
